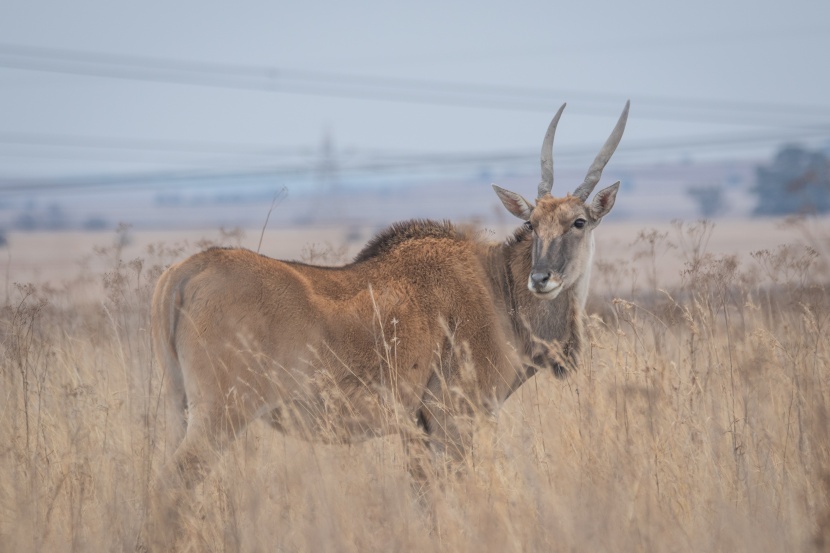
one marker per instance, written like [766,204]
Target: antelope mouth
[549,290]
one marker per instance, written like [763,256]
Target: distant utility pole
[327,170]
[327,184]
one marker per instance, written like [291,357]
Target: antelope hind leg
[210,430]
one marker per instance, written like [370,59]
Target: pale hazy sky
[729,78]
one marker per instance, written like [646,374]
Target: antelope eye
[528,225]
[579,223]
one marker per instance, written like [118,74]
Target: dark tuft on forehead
[554,207]
[549,202]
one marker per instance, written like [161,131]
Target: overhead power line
[145,144]
[273,79]
[120,149]
[107,149]
[372,164]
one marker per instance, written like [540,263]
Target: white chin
[547,293]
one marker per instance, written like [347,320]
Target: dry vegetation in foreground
[698,422]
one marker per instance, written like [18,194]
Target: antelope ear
[604,200]
[514,203]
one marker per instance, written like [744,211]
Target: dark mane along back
[403,231]
[521,234]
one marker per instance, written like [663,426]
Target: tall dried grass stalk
[698,422]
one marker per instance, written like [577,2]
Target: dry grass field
[698,421]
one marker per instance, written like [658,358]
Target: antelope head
[562,228]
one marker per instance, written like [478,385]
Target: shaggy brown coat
[426,314]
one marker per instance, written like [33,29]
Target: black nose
[539,279]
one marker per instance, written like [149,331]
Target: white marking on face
[550,290]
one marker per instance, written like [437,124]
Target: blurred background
[190,115]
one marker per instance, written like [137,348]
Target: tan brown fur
[247,335]
[374,347]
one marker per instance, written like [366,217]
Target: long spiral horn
[595,172]
[547,155]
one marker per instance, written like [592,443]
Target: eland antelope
[340,354]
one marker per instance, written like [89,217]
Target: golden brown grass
[698,422]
